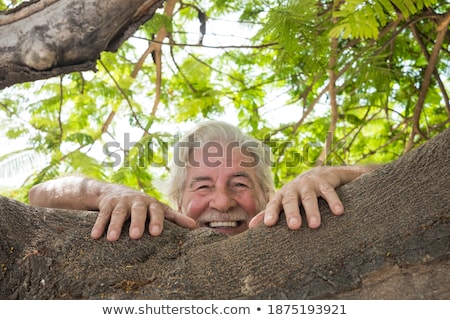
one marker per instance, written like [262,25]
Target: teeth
[223,224]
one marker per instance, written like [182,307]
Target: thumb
[180,219]
[256,220]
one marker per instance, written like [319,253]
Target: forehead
[226,157]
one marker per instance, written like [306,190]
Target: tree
[32,48]
[361,82]
[380,70]
[393,242]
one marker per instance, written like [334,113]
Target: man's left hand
[305,190]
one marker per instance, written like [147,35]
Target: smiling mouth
[224,224]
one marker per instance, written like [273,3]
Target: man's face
[220,192]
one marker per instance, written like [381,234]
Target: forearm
[68,193]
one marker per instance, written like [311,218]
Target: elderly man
[220,179]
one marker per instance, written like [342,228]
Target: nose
[221,200]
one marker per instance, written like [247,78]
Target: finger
[101,221]
[256,220]
[118,216]
[330,195]
[178,218]
[138,218]
[310,203]
[273,209]
[290,203]
[156,214]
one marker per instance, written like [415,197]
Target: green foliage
[272,79]
[363,19]
[157,22]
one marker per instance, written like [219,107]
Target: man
[220,179]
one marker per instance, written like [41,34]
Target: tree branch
[175,44]
[155,44]
[155,48]
[66,36]
[25,10]
[425,52]
[61,101]
[127,99]
[440,37]
[403,225]
[333,102]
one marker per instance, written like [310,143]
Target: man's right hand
[118,203]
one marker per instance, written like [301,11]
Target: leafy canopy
[321,82]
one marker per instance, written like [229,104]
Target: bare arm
[77,193]
[305,189]
[115,203]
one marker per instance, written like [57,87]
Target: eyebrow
[207,178]
[199,179]
[241,174]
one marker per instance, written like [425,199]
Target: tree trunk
[48,38]
[393,242]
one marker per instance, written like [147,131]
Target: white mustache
[234,214]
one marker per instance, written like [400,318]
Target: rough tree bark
[48,38]
[393,242]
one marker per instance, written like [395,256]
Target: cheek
[249,204]
[193,207]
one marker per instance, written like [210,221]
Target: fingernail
[135,232]
[313,222]
[94,235]
[112,234]
[268,218]
[155,230]
[338,209]
[293,222]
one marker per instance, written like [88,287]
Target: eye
[239,185]
[203,187]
